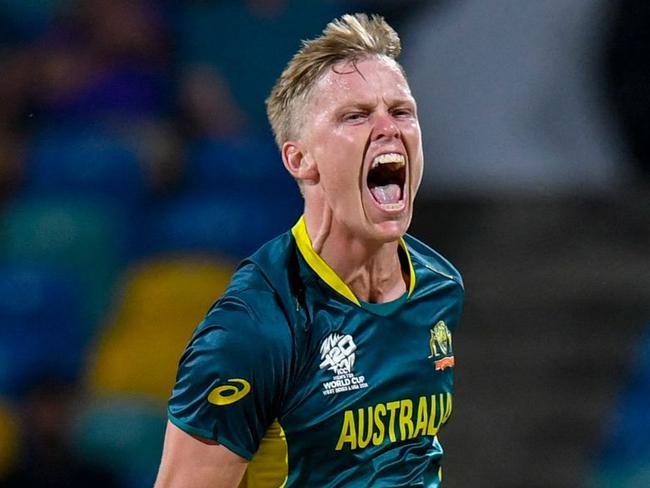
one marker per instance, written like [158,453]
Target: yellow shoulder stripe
[402,243]
[325,272]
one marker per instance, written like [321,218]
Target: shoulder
[248,325]
[426,257]
[259,298]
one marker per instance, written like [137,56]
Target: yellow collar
[327,274]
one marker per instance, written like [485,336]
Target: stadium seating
[624,460]
[243,163]
[230,226]
[236,197]
[123,435]
[28,19]
[41,332]
[85,161]
[630,474]
[8,438]
[264,42]
[161,302]
[83,237]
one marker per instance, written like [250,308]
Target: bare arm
[191,462]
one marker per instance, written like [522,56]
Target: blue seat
[90,161]
[41,328]
[228,226]
[84,237]
[239,166]
[263,42]
[624,459]
[25,21]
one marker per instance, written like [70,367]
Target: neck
[372,270]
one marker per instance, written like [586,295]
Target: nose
[385,127]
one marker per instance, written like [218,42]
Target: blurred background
[137,168]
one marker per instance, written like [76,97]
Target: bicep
[192,462]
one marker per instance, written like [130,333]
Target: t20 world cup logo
[337,353]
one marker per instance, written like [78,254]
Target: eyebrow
[370,105]
[357,105]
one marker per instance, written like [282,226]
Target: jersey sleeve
[232,376]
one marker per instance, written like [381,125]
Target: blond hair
[350,38]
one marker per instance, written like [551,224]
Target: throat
[373,272]
[390,294]
[378,285]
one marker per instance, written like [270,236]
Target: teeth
[387,158]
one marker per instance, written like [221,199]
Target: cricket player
[328,361]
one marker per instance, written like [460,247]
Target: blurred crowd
[136,169]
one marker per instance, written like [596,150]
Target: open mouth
[386,180]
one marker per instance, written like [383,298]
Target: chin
[390,231]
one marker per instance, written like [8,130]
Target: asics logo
[228,394]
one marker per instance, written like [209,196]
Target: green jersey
[290,366]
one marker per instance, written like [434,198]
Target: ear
[300,165]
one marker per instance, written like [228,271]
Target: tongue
[387,193]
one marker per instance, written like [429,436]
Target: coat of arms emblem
[441,347]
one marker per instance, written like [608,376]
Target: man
[331,351]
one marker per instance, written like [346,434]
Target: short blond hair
[350,38]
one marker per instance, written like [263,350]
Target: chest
[364,379]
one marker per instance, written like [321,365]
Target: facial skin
[354,114]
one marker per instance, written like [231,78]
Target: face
[362,139]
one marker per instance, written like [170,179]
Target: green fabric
[360,395]
[386,308]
